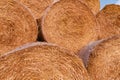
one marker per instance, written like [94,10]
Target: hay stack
[17,25]
[37,7]
[94,5]
[104,62]
[109,20]
[70,24]
[41,61]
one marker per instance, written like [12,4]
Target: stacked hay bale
[41,61]
[17,26]
[104,61]
[70,24]
[109,20]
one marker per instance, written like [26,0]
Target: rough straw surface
[70,24]
[17,25]
[94,5]
[37,7]
[109,20]
[41,61]
[104,62]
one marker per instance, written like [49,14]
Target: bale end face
[69,24]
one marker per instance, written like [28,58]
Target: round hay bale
[104,61]
[42,61]
[70,24]
[94,5]
[109,20]
[37,7]
[17,25]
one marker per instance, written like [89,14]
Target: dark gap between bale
[40,35]
[69,24]
[109,20]
[41,61]
[17,26]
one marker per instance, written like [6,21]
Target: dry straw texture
[41,61]
[17,25]
[109,20]
[37,7]
[104,62]
[94,5]
[70,24]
